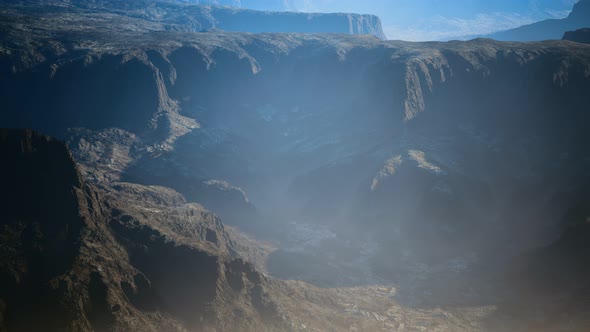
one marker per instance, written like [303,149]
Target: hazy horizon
[424,20]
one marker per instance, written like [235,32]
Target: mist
[195,167]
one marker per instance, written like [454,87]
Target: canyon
[222,180]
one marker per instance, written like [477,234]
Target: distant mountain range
[549,29]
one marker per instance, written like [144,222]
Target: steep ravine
[336,115]
[428,165]
[128,257]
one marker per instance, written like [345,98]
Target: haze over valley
[239,166]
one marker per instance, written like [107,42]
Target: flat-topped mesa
[281,16]
[244,19]
[227,15]
[287,22]
[578,36]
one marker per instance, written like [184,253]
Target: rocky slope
[579,36]
[549,29]
[424,167]
[149,15]
[127,257]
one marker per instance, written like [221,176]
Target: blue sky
[420,20]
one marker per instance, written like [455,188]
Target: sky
[421,20]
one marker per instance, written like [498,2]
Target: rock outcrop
[128,257]
[177,129]
[406,159]
[579,36]
[157,15]
[45,211]
[277,22]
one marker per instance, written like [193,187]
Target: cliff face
[42,221]
[416,162]
[579,36]
[128,257]
[580,12]
[549,29]
[78,257]
[243,20]
[301,109]
[146,15]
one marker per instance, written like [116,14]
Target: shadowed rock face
[396,158]
[313,122]
[40,228]
[73,256]
[579,36]
[146,15]
[292,22]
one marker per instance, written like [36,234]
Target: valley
[220,181]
